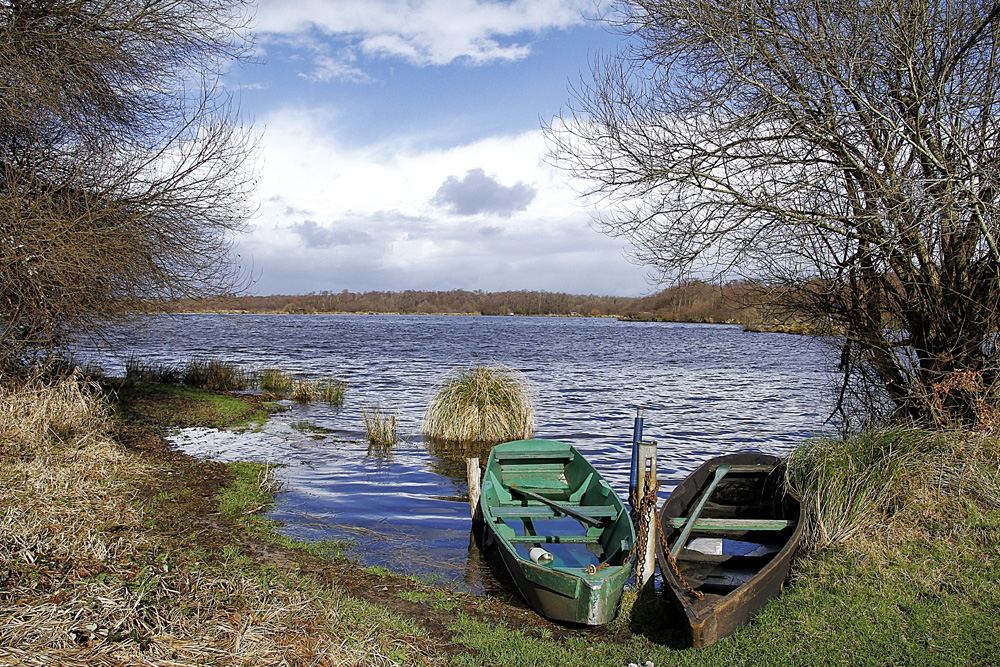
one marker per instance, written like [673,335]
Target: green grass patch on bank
[179,405]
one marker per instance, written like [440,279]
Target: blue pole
[633,480]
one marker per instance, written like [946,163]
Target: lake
[706,390]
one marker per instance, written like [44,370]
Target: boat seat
[750,468]
[537,455]
[722,525]
[544,511]
[553,539]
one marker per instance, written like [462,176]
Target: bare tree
[124,171]
[845,152]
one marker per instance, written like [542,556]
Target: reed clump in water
[215,375]
[304,391]
[481,404]
[331,391]
[896,484]
[139,370]
[380,425]
[275,381]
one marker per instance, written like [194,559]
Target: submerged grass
[482,404]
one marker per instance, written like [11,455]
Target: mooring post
[633,483]
[472,473]
[646,469]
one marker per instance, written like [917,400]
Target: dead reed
[481,404]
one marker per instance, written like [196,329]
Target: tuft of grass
[381,428]
[891,482]
[331,391]
[275,381]
[481,404]
[138,370]
[305,391]
[215,375]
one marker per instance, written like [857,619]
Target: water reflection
[707,390]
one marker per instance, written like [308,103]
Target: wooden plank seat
[535,455]
[749,469]
[545,512]
[722,525]
[553,539]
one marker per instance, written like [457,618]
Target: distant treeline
[693,301]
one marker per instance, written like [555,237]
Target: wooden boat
[561,531]
[731,529]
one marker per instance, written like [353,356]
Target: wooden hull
[544,494]
[739,547]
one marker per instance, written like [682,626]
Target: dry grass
[894,484]
[84,581]
[482,404]
[305,391]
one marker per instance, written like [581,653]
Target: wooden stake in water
[473,475]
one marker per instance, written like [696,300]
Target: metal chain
[673,566]
[642,507]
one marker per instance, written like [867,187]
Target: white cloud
[425,32]
[335,217]
[329,69]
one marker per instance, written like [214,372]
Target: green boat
[562,532]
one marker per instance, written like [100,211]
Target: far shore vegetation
[736,302]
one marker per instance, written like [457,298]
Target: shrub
[482,404]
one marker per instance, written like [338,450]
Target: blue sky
[401,148]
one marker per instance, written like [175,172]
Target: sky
[401,147]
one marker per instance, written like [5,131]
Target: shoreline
[192,529]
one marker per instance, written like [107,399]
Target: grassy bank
[116,551]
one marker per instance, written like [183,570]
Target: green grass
[482,404]
[179,405]
[275,381]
